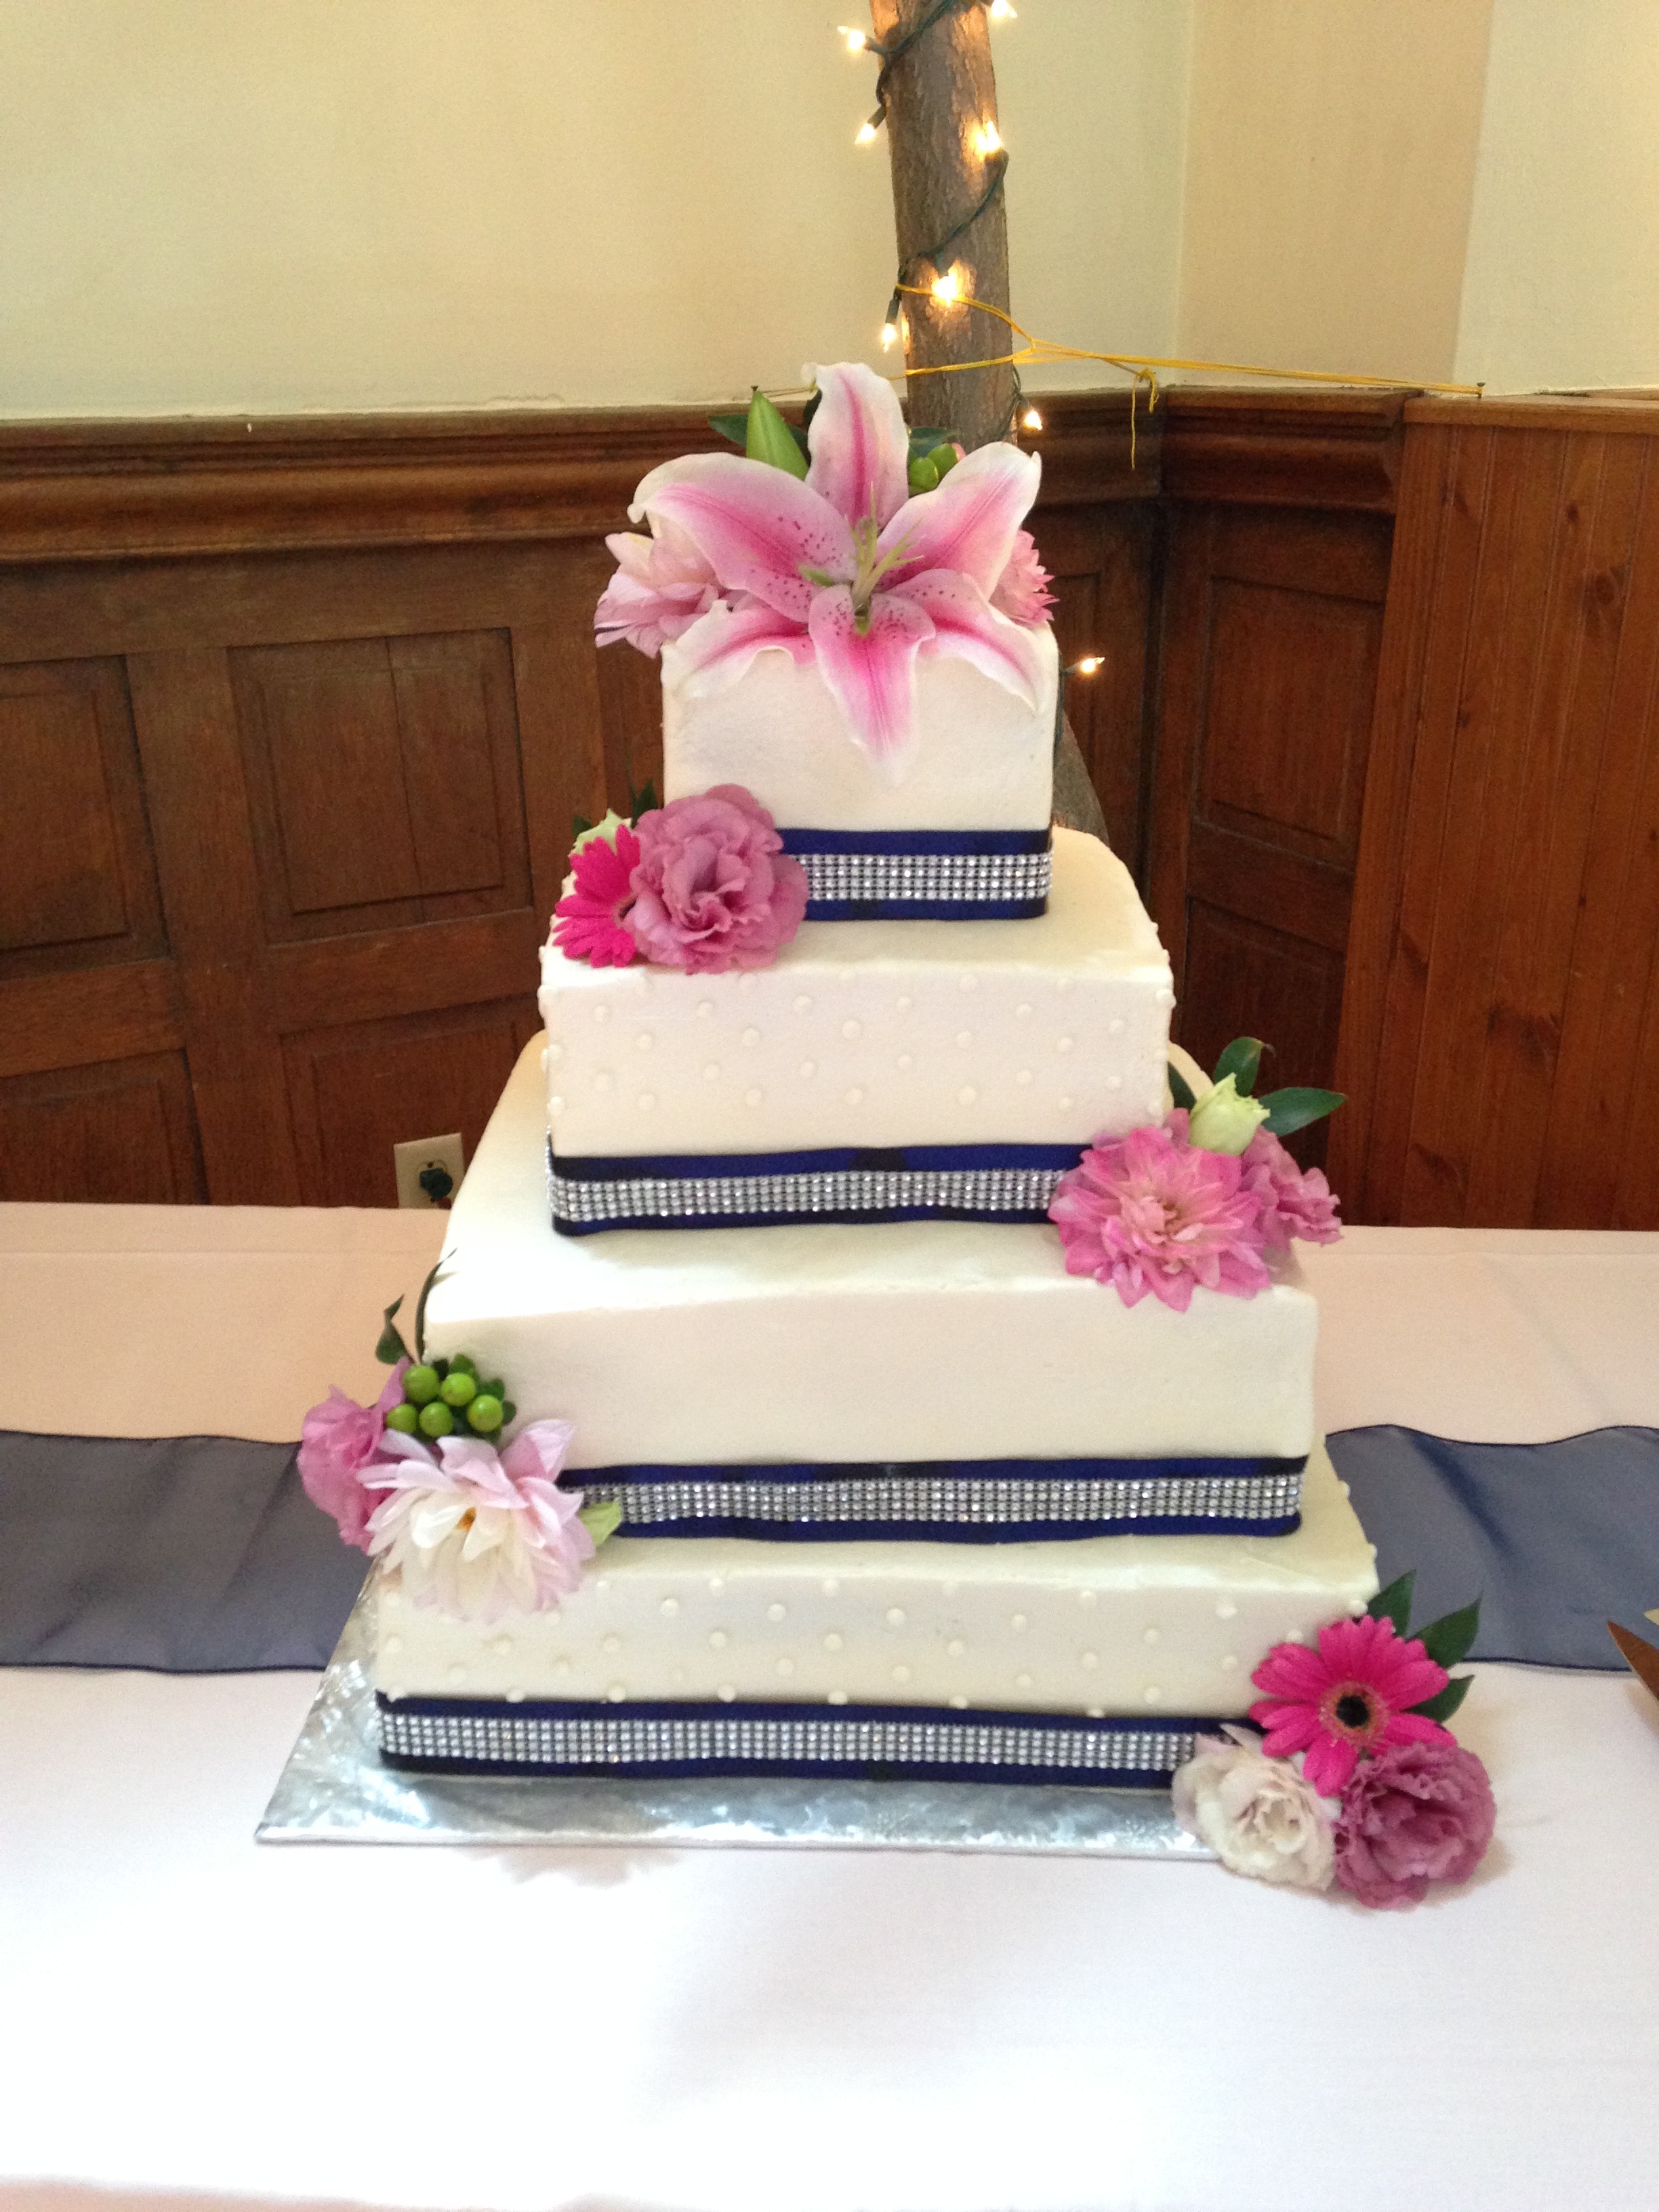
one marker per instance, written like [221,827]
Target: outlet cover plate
[425,1152]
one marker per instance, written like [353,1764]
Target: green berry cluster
[927,471]
[443,1395]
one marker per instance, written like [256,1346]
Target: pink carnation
[1021,591]
[1149,1211]
[338,1440]
[588,923]
[1351,1696]
[1294,1201]
[1416,1814]
[661,585]
[714,888]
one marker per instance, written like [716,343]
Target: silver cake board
[335,1789]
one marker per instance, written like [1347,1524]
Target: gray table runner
[203,1554]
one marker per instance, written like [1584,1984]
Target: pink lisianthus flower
[1417,1813]
[714,888]
[661,585]
[847,568]
[340,1441]
[1352,1695]
[1295,1201]
[1149,1211]
[589,922]
[478,1532]
[1021,591]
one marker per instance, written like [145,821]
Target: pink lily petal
[757,527]
[967,627]
[870,675]
[717,648]
[971,521]
[859,447]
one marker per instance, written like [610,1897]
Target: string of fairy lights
[948,287]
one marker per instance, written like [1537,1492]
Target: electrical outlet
[442,1155]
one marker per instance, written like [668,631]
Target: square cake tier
[872,1035]
[981,760]
[908,1343]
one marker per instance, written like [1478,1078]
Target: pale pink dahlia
[662,585]
[588,922]
[478,1532]
[1149,1211]
[714,888]
[1351,1695]
[1021,591]
[1416,1814]
[1294,1201]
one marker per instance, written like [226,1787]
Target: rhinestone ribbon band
[923,875]
[455,1735]
[970,1501]
[938,1183]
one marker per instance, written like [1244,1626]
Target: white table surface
[188,2017]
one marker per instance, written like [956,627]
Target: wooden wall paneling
[118,1133]
[1513,797]
[360,1087]
[185,711]
[1271,633]
[1102,562]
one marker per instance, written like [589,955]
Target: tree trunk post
[940,96]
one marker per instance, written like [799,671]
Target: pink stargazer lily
[846,568]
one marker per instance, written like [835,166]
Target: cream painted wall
[1330,166]
[1562,286]
[345,205]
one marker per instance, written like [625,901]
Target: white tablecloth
[187,2014]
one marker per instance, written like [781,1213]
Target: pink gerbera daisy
[1149,1211]
[588,922]
[1351,1696]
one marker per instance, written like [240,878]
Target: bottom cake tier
[1091,1660]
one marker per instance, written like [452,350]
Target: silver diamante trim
[977,1191]
[615,1739]
[975,1500]
[961,878]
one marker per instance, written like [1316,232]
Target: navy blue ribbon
[921,844]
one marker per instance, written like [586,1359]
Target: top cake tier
[981,760]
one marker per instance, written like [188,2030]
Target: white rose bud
[1256,1814]
[1222,1122]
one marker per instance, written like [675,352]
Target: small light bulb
[1087,665]
[988,139]
[1030,420]
[865,133]
[947,289]
[1000,12]
[889,337]
[856,41]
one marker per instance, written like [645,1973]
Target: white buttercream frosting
[982,760]
[879,1033]
[904,1341]
[1117,1624]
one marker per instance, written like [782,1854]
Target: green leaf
[601,1520]
[1180,1089]
[770,438]
[1442,1707]
[1295,1108]
[1242,1060]
[580,826]
[1448,1639]
[419,1307]
[1394,1603]
[392,1348]
[734,427]
[642,802]
[509,1413]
